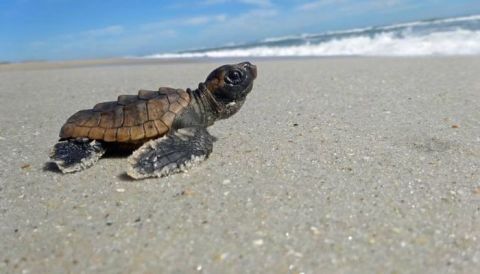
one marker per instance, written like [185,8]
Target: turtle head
[230,84]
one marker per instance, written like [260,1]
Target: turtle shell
[130,119]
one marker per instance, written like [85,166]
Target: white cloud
[317,4]
[351,5]
[38,44]
[105,32]
[200,20]
[259,3]
[179,22]
[377,6]
[250,25]
[110,30]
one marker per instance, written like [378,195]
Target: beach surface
[343,165]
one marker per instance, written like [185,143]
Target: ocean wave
[432,22]
[457,42]
[285,38]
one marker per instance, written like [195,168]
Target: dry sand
[349,165]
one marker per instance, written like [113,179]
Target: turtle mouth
[246,91]
[253,71]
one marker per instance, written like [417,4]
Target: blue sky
[72,29]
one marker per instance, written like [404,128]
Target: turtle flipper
[76,154]
[172,153]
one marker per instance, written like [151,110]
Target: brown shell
[130,119]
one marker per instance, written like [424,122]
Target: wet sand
[349,165]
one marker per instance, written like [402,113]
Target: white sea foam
[458,42]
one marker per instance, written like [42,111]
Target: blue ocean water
[446,36]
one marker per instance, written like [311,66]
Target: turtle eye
[233,77]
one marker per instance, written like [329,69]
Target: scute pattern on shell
[130,119]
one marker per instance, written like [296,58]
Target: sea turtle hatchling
[166,127]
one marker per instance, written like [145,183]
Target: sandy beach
[333,165]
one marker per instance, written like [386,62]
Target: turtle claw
[173,153]
[76,154]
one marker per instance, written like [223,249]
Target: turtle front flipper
[172,153]
[76,154]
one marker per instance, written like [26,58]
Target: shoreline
[119,61]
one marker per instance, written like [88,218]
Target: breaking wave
[451,36]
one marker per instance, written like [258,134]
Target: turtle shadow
[118,151]
[51,167]
[117,154]
[125,178]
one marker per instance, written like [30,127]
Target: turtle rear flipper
[172,153]
[76,154]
